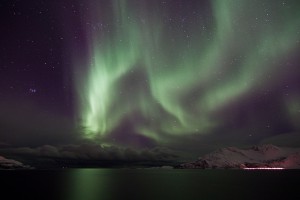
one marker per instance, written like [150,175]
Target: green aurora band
[170,78]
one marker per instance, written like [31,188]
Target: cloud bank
[84,155]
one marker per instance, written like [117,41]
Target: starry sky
[191,75]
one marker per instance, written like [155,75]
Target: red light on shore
[263,168]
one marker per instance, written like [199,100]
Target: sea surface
[101,184]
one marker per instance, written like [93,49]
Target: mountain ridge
[262,156]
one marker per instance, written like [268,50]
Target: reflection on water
[172,184]
[88,184]
[135,184]
[101,184]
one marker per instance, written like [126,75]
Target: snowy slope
[11,164]
[256,156]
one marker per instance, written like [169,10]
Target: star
[32,90]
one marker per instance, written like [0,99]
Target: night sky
[189,75]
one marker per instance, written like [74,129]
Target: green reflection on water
[102,184]
[88,184]
[143,184]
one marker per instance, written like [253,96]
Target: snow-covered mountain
[11,164]
[255,157]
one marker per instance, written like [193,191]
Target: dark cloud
[3,144]
[90,154]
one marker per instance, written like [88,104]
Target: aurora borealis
[186,75]
[109,99]
[168,69]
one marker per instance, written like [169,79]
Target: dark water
[101,184]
